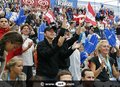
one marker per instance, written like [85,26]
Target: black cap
[51,26]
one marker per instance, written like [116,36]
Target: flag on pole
[90,15]
[78,17]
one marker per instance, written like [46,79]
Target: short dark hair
[4,17]
[63,72]
[13,37]
[21,28]
[83,72]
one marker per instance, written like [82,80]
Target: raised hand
[89,47]
[83,56]
[8,15]
[78,31]
[64,24]
[64,12]
[76,45]
[61,41]
[110,37]
[21,17]
[103,63]
[91,44]
[30,44]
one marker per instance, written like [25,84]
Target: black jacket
[48,57]
[51,58]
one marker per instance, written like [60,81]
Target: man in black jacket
[47,51]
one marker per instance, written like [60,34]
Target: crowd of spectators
[68,48]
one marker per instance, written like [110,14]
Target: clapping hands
[110,37]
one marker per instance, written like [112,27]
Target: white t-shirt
[118,62]
[75,65]
[28,55]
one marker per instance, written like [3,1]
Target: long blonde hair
[99,45]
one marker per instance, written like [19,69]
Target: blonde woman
[103,65]
[13,70]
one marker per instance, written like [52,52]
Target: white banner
[65,3]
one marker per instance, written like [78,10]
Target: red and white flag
[90,15]
[49,17]
[78,17]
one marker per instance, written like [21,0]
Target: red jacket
[3,31]
[13,53]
